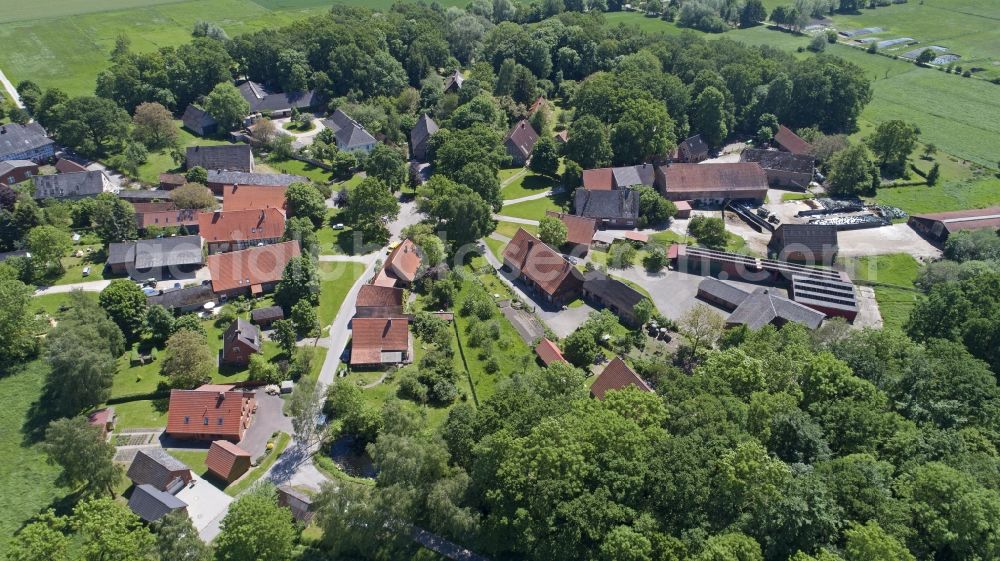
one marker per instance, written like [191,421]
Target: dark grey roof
[154,466]
[778,160]
[722,292]
[174,251]
[263,100]
[817,238]
[15,139]
[197,119]
[349,133]
[245,332]
[610,291]
[187,297]
[229,177]
[627,176]
[298,502]
[121,253]
[455,80]
[424,128]
[143,195]
[270,313]
[763,306]
[151,504]
[522,137]
[77,184]
[694,145]
[234,157]
[619,203]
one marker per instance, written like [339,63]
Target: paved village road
[515,220]
[11,90]
[92,286]
[527,198]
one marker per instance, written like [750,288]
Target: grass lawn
[147,413]
[898,271]
[531,210]
[28,480]
[194,459]
[496,246]
[785,197]
[336,279]
[305,169]
[254,474]
[528,184]
[507,173]
[955,194]
[510,228]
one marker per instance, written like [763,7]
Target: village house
[25,142]
[265,317]
[783,169]
[158,257]
[209,414]
[938,226]
[171,181]
[350,135]
[299,503]
[602,291]
[231,157]
[73,185]
[401,266]
[712,183]
[378,302]
[65,165]
[763,306]
[617,209]
[198,121]
[240,340]
[183,300]
[273,104]
[420,135]
[219,179]
[542,269]
[150,504]
[788,141]
[453,82]
[562,137]
[165,215]
[16,171]
[157,468]
[520,142]
[617,376]
[239,229]
[814,244]
[380,342]
[249,197]
[251,271]
[227,461]
[691,150]
[548,352]
[598,179]
[579,231]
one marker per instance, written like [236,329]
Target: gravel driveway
[268,419]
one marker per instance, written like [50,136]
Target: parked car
[86,271]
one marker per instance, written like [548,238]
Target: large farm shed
[937,227]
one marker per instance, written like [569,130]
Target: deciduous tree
[188,361]
[256,528]
[48,245]
[125,303]
[227,106]
[153,125]
[86,459]
[193,195]
[552,231]
[306,201]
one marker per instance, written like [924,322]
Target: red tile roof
[222,456]
[722,178]
[249,267]
[540,263]
[957,220]
[199,414]
[791,141]
[562,136]
[240,225]
[579,229]
[549,352]
[68,166]
[404,261]
[370,337]
[245,197]
[637,236]
[378,296]
[166,218]
[617,375]
[600,179]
